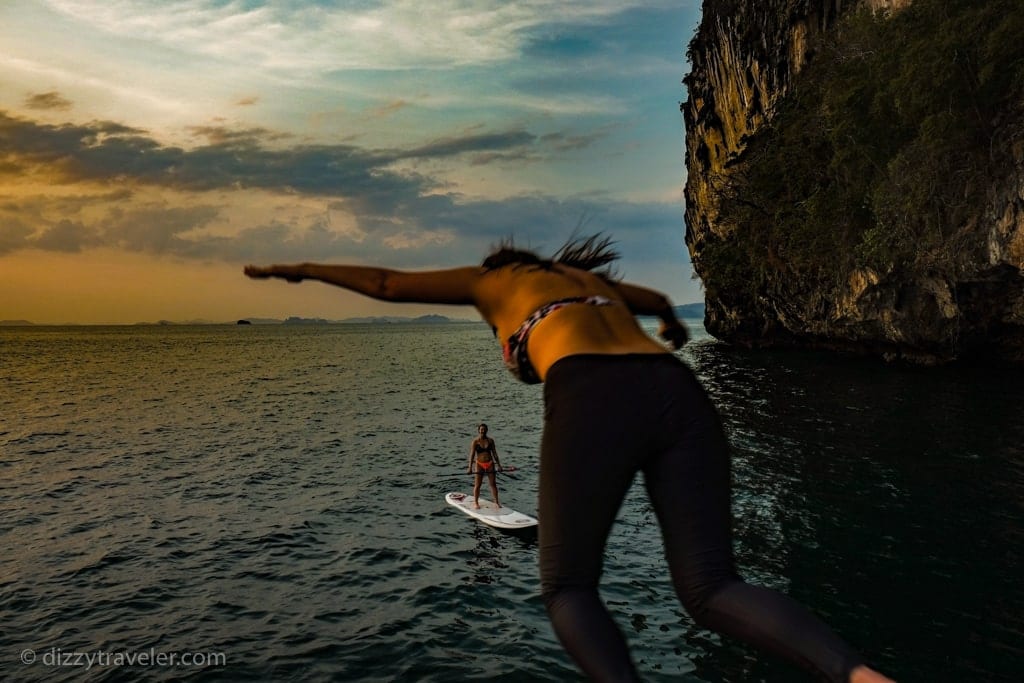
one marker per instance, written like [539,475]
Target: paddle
[504,472]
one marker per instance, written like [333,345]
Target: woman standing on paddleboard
[484,455]
[619,396]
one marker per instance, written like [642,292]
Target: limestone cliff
[960,296]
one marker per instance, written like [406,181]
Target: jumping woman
[616,394]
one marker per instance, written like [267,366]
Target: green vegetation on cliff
[881,153]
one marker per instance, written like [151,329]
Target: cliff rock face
[746,57]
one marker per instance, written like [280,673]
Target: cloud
[47,100]
[107,152]
[225,136]
[140,196]
[388,108]
[485,142]
[14,234]
[564,143]
[72,224]
[158,229]
[300,36]
[66,236]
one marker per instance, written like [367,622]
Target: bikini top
[478,448]
[514,350]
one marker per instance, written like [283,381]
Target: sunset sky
[149,149]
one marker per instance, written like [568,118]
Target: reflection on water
[898,493]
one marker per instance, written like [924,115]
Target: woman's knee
[563,576]
[697,590]
[557,597]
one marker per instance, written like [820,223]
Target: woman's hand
[263,272]
[675,333]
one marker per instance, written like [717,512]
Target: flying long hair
[594,253]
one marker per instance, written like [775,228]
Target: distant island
[688,311]
[293,320]
[393,319]
[374,320]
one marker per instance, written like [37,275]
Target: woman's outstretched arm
[644,301]
[452,286]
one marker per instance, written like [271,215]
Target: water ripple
[276,494]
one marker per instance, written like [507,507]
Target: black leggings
[648,413]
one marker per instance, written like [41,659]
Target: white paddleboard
[489,513]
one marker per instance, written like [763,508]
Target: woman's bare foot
[863,674]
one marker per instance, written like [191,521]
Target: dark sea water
[268,501]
